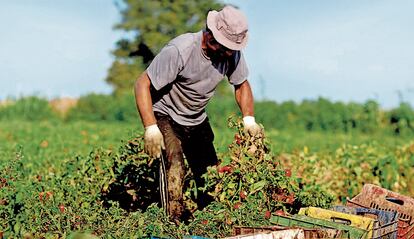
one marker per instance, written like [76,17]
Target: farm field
[330,83]
[52,163]
[51,141]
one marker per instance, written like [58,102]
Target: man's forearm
[143,100]
[244,98]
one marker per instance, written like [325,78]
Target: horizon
[341,51]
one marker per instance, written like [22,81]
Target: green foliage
[97,107]
[349,167]
[251,174]
[402,119]
[156,22]
[75,162]
[28,108]
[153,24]
[123,74]
[321,115]
[72,195]
[219,108]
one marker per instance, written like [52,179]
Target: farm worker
[172,94]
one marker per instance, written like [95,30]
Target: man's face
[215,49]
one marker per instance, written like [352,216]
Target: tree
[153,24]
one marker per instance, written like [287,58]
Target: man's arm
[153,139]
[244,97]
[143,100]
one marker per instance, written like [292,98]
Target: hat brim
[220,38]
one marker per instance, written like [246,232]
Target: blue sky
[342,50]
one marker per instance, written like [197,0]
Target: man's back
[192,76]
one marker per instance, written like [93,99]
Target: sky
[341,50]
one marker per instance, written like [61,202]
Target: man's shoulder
[186,42]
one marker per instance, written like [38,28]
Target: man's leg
[174,167]
[200,153]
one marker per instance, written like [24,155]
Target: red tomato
[238,139]
[49,195]
[280,213]
[61,208]
[225,169]
[268,214]
[288,172]
[41,196]
[290,199]
[243,194]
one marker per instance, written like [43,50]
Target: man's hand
[153,141]
[251,126]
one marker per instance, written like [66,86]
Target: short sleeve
[240,73]
[165,67]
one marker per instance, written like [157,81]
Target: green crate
[308,222]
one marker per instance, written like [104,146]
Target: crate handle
[341,220]
[395,200]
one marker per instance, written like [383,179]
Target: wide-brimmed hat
[229,27]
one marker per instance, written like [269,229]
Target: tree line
[309,115]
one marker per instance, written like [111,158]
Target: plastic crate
[308,232]
[294,233]
[385,224]
[339,217]
[373,196]
[313,223]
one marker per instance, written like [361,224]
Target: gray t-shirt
[186,78]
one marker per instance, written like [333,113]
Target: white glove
[153,141]
[251,126]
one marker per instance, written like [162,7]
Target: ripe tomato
[237,205]
[243,194]
[288,172]
[49,195]
[238,139]
[268,214]
[61,208]
[225,169]
[290,199]
[280,213]
[41,196]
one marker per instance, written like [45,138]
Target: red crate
[373,196]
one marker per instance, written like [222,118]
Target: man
[172,94]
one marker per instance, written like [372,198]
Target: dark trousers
[196,143]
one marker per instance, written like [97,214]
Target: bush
[100,107]
[401,119]
[30,108]
[321,115]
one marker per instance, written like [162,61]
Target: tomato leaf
[257,186]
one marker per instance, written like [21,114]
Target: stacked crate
[374,213]
[375,197]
